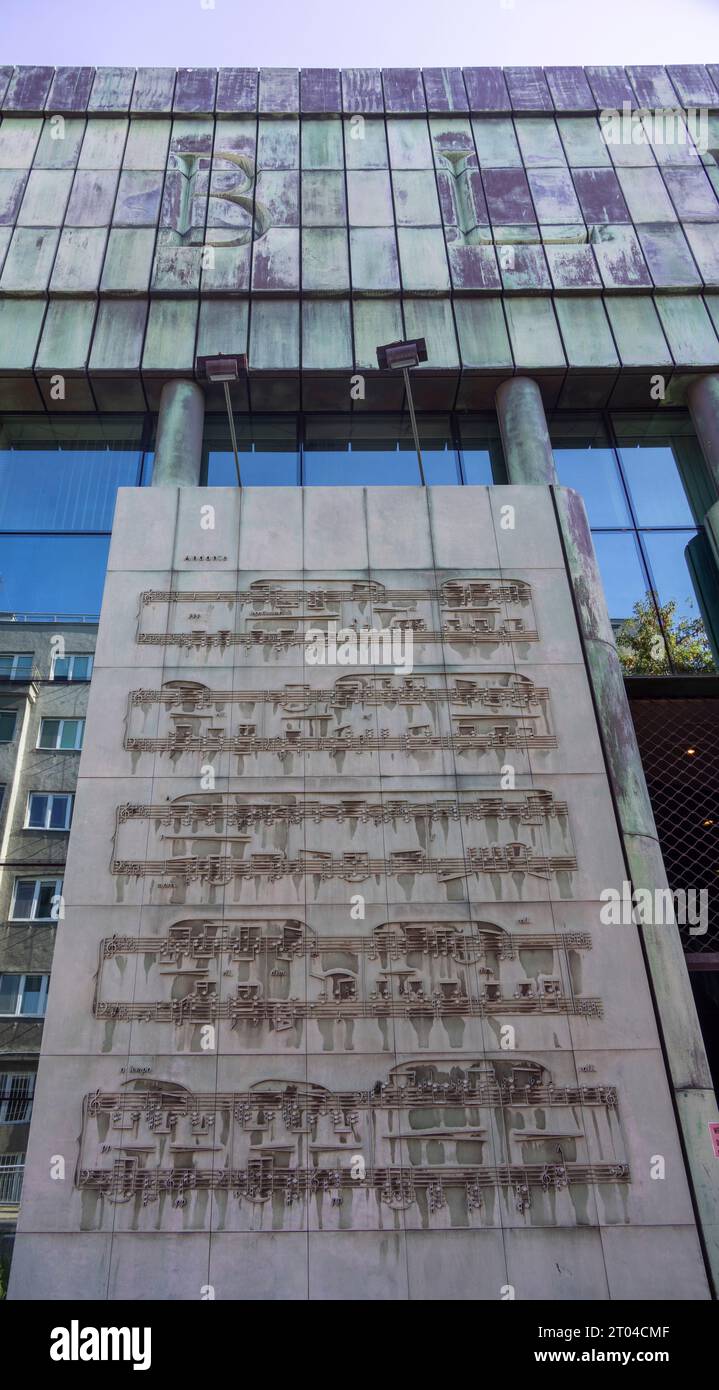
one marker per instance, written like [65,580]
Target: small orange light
[691,752]
[707,822]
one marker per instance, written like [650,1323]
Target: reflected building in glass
[295,221]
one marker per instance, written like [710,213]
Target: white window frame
[51,798]
[11,1191]
[70,658]
[58,882]
[13,712]
[22,1098]
[57,746]
[28,975]
[16,657]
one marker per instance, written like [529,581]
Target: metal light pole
[223,369]
[401,356]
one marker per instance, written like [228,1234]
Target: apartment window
[76,666]
[23,996]
[16,666]
[34,899]
[12,1168]
[17,1089]
[49,811]
[8,719]
[63,734]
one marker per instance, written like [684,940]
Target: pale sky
[357,33]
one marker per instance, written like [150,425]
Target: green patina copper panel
[583,142]
[496,143]
[111,89]
[119,335]
[170,341]
[175,268]
[92,198]
[128,261]
[78,263]
[279,191]
[375,263]
[29,261]
[585,330]
[369,198]
[322,145]
[323,199]
[415,198]
[60,143]
[533,332]
[104,144]
[482,331]
[20,325]
[423,258]
[625,154]
[275,335]
[325,259]
[46,195]
[19,136]
[689,330]
[326,334]
[646,195]
[66,335]
[409,144]
[619,257]
[433,319]
[147,144]
[375,321]
[638,331]
[153,90]
[523,267]
[278,144]
[365,143]
[137,201]
[668,257]
[228,268]
[12,189]
[276,260]
[222,326]
[539,142]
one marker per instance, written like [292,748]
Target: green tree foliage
[655,642]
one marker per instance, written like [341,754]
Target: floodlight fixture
[400,357]
[221,369]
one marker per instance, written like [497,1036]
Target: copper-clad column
[525,437]
[178,451]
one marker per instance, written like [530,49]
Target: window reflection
[63,474]
[267,447]
[655,486]
[377,451]
[594,473]
[625,582]
[668,564]
[53,574]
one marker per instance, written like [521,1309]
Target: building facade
[45,671]
[230,1032]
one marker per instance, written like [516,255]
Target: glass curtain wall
[642,480]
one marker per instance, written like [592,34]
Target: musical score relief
[423,1131]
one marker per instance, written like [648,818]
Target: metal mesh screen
[679,743]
